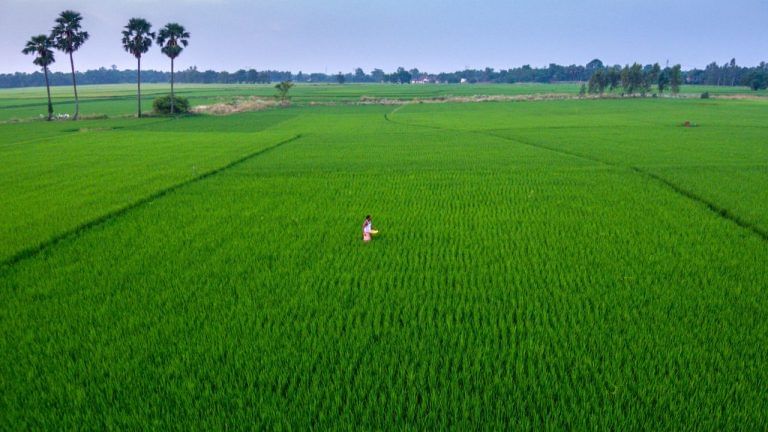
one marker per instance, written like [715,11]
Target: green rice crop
[536,269]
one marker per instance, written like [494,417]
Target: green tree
[377,75]
[282,90]
[632,78]
[340,78]
[663,80]
[137,39]
[613,78]
[40,46]
[402,76]
[172,38]
[636,78]
[625,79]
[598,82]
[675,79]
[594,65]
[359,75]
[68,36]
[757,80]
[653,76]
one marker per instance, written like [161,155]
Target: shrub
[705,95]
[162,105]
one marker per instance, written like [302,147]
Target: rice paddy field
[547,265]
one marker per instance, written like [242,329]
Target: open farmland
[574,264]
[120,99]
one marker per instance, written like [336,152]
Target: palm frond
[67,34]
[40,45]
[172,39]
[137,37]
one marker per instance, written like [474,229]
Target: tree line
[737,76]
[67,35]
[635,79]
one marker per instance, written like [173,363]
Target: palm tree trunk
[48,89]
[172,96]
[74,84]
[138,84]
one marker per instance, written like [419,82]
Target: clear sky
[432,35]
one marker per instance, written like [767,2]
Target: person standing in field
[368,230]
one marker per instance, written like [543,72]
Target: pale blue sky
[339,35]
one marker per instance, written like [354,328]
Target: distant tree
[598,82]
[625,79]
[240,76]
[40,46]
[377,75]
[637,78]
[359,75]
[652,77]
[663,80]
[68,36]
[402,76]
[340,78]
[282,90]
[172,38]
[756,80]
[137,39]
[594,65]
[632,78]
[675,79]
[582,90]
[613,78]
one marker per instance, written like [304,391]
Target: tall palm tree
[40,45]
[172,39]
[137,38]
[68,36]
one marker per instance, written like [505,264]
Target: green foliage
[282,90]
[675,79]
[138,37]
[663,81]
[594,65]
[68,34]
[632,79]
[172,38]
[613,78]
[705,95]
[162,104]
[598,82]
[40,46]
[401,76]
[757,81]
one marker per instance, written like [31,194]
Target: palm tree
[172,39]
[68,36]
[40,45]
[136,40]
